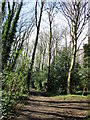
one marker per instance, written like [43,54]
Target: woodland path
[40,107]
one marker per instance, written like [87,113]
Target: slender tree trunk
[40,60]
[56,51]
[73,56]
[71,67]
[54,57]
[43,57]
[49,57]
[34,51]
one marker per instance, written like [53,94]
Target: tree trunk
[49,57]
[71,67]
[42,61]
[8,33]
[43,57]
[40,57]
[34,51]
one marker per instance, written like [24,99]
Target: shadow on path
[41,107]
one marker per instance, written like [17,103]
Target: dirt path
[39,107]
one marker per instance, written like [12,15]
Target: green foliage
[39,78]
[87,50]
[8,32]
[15,87]
[58,75]
[76,81]
[85,70]
[14,83]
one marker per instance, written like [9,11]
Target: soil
[40,107]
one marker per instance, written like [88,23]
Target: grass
[89,110]
[88,114]
[71,97]
[89,96]
[0,93]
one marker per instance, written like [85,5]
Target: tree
[41,50]
[50,8]
[9,29]
[15,31]
[76,14]
[35,45]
